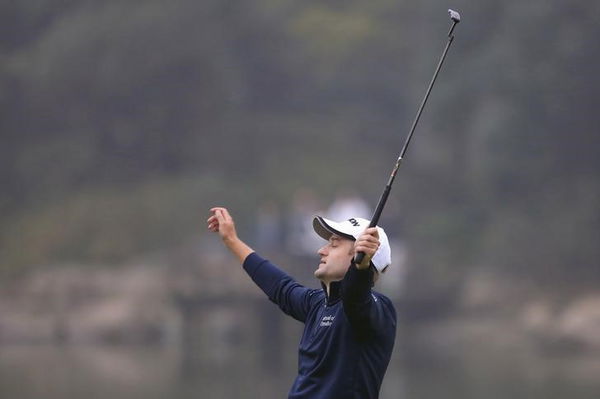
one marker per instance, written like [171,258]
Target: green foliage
[106,225]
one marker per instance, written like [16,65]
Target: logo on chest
[327,321]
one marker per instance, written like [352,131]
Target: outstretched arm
[292,298]
[221,222]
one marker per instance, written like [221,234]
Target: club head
[454,15]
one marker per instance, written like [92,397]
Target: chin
[319,273]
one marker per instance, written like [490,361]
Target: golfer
[349,329]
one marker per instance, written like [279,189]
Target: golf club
[455,17]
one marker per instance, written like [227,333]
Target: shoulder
[385,302]
[313,298]
[315,295]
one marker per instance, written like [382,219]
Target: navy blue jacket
[348,337]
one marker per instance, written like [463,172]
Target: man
[349,330]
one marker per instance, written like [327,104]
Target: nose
[323,250]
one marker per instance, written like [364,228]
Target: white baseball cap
[352,229]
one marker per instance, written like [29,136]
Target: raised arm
[221,222]
[293,298]
[367,313]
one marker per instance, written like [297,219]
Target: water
[66,372]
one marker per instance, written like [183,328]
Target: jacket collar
[334,292]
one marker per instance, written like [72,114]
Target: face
[335,259]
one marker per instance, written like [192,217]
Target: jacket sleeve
[369,314]
[293,298]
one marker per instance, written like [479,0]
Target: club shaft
[388,187]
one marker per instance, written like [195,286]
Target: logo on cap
[354,222]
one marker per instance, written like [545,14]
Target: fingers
[220,211]
[368,248]
[369,236]
[219,216]
[372,231]
[368,242]
[221,222]
[213,224]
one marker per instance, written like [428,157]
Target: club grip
[359,258]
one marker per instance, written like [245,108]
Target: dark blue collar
[335,294]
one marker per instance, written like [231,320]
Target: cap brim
[325,228]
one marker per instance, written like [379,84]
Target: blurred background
[123,122]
